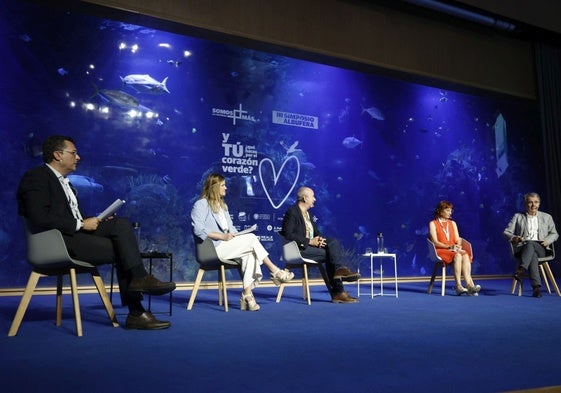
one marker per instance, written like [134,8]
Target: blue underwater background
[154,110]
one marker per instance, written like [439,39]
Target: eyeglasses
[74,153]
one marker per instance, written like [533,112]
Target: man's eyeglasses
[74,153]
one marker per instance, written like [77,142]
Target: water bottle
[380,243]
[136,230]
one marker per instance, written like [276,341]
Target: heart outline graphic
[276,178]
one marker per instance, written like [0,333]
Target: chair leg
[281,290]
[112,280]
[515,282]
[24,302]
[513,286]
[224,289]
[220,289]
[76,302]
[520,286]
[306,294]
[551,278]
[306,284]
[432,279]
[104,298]
[198,280]
[58,319]
[282,286]
[443,290]
[545,279]
[303,282]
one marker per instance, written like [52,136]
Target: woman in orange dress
[444,234]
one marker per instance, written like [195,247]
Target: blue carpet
[417,343]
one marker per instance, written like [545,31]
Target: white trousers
[251,252]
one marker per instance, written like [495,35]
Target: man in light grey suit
[531,234]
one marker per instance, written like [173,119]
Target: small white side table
[382,257]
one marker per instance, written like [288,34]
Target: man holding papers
[47,200]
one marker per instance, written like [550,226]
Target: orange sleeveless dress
[447,255]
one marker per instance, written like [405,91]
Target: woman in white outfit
[210,218]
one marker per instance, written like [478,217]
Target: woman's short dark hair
[442,205]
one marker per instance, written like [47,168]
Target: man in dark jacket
[47,200]
[298,226]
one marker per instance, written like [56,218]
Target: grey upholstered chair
[48,255]
[293,259]
[208,260]
[545,270]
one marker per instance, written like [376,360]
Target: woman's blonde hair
[211,192]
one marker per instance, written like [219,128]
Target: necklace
[445,229]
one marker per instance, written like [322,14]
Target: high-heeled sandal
[460,290]
[282,276]
[247,302]
[474,290]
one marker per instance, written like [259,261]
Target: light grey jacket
[205,221]
[518,226]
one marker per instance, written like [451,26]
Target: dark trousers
[332,255]
[113,241]
[528,255]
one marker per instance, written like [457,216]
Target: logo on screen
[272,182]
[234,114]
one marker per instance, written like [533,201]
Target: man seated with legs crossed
[47,200]
[531,234]
[298,226]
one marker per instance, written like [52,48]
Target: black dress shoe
[145,321]
[151,285]
[536,292]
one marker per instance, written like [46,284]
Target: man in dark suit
[48,201]
[531,234]
[298,226]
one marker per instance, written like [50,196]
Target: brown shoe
[145,321]
[344,274]
[343,297]
[151,285]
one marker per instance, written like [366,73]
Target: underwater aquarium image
[153,110]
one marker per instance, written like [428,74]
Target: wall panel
[367,34]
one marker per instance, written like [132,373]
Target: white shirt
[309,226]
[70,196]
[222,220]
[532,227]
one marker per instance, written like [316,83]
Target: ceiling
[543,14]
[528,19]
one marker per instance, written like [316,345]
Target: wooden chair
[48,255]
[293,259]
[208,260]
[545,271]
[440,265]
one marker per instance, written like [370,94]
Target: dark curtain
[548,72]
